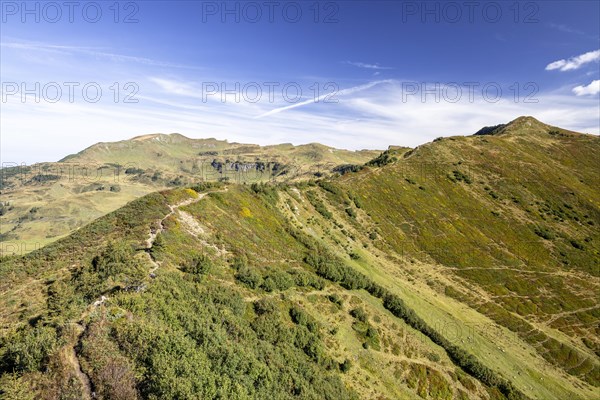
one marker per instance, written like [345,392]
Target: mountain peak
[145,137]
[526,121]
[164,137]
[524,125]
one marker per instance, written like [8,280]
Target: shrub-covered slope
[466,268]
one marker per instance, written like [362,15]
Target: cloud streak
[565,28]
[366,66]
[343,92]
[90,51]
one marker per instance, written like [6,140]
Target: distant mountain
[176,153]
[466,268]
[46,201]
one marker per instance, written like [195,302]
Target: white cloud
[574,62]
[592,89]
[365,65]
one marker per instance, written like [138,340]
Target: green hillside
[466,268]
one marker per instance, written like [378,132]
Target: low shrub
[249,277]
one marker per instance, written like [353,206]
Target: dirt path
[70,356]
[70,353]
[172,208]
[161,228]
[193,227]
[565,313]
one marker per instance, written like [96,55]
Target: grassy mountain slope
[44,202]
[465,268]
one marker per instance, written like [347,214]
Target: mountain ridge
[467,269]
[175,138]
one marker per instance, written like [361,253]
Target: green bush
[433,357]
[345,366]
[307,279]
[331,188]
[204,186]
[265,306]
[61,302]
[381,160]
[279,280]
[347,168]
[575,243]
[357,202]
[239,262]
[249,277]
[335,299]
[199,266]
[268,191]
[28,349]
[372,337]
[543,232]
[14,387]
[134,171]
[458,176]
[300,317]
[359,314]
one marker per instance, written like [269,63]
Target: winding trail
[73,361]
[70,352]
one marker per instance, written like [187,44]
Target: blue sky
[350,74]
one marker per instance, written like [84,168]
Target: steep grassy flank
[421,286]
[511,216]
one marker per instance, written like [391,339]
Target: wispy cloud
[574,62]
[499,37]
[592,89]
[565,28]
[90,51]
[177,87]
[343,92]
[365,65]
